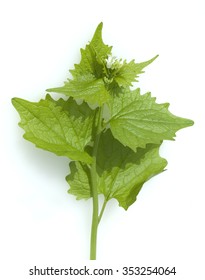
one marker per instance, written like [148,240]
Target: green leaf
[78,179]
[98,74]
[121,172]
[87,83]
[62,127]
[92,58]
[137,120]
[129,72]
[90,89]
[100,49]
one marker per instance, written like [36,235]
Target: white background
[40,223]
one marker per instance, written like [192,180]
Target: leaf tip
[190,122]
[14,101]
[98,31]
[101,24]
[49,89]
[153,59]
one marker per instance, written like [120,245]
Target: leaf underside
[121,172]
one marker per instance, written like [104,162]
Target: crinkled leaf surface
[92,58]
[87,83]
[137,120]
[94,79]
[121,172]
[79,180]
[62,127]
[129,72]
[89,89]
[128,152]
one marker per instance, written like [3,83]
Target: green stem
[94,227]
[102,211]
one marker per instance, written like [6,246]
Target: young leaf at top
[88,75]
[61,127]
[99,74]
[129,72]
[137,120]
[121,172]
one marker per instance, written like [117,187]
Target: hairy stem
[94,227]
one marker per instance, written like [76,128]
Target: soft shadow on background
[40,223]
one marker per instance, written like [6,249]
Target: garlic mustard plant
[111,138]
